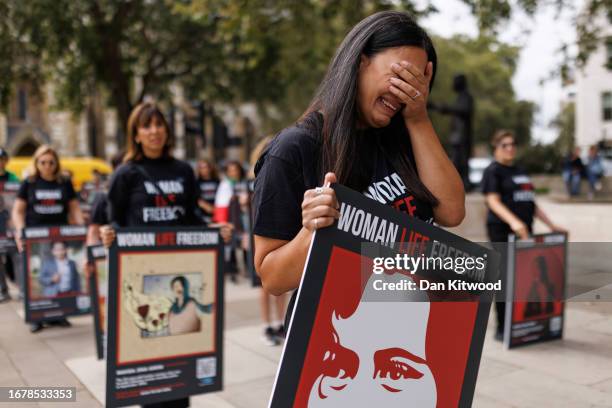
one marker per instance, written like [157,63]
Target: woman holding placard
[367,128]
[510,198]
[46,197]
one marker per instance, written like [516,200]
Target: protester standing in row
[45,198]
[6,263]
[231,195]
[368,124]
[208,183]
[152,188]
[510,198]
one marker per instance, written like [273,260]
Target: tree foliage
[272,52]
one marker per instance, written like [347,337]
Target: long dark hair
[344,149]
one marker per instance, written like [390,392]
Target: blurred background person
[594,170]
[273,331]
[573,172]
[99,208]
[208,182]
[45,198]
[510,198]
[6,175]
[231,195]
[7,265]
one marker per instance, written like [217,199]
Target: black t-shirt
[515,188]
[289,167]
[99,209]
[208,189]
[47,201]
[134,200]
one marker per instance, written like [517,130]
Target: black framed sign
[374,326]
[165,315]
[537,275]
[8,193]
[55,281]
[98,288]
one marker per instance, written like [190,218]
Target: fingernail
[395,65]
[394,80]
[405,63]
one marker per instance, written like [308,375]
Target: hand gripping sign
[391,312]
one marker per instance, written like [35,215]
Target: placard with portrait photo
[165,315]
[54,269]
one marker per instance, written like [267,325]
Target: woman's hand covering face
[411,87]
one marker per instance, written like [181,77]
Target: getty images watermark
[471,269]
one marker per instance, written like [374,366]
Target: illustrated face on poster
[56,269]
[163,312]
[390,371]
[390,352]
[540,282]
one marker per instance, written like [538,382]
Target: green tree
[79,44]
[273,52]
[277,51]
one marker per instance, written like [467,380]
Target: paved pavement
[573,372]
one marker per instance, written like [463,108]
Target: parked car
[477,166]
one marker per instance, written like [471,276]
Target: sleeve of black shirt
[70,193]
[118,193]
[280,184]
[23,190]
[277,201]
[490,181]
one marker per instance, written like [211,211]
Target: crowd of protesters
[213,195]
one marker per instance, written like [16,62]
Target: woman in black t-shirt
[45,198]
[510,198]
[367,128]
[151,187]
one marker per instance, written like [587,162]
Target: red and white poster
[398,338]
[536,289]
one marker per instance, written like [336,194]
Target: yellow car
[81,168]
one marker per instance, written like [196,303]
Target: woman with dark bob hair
[367,128]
